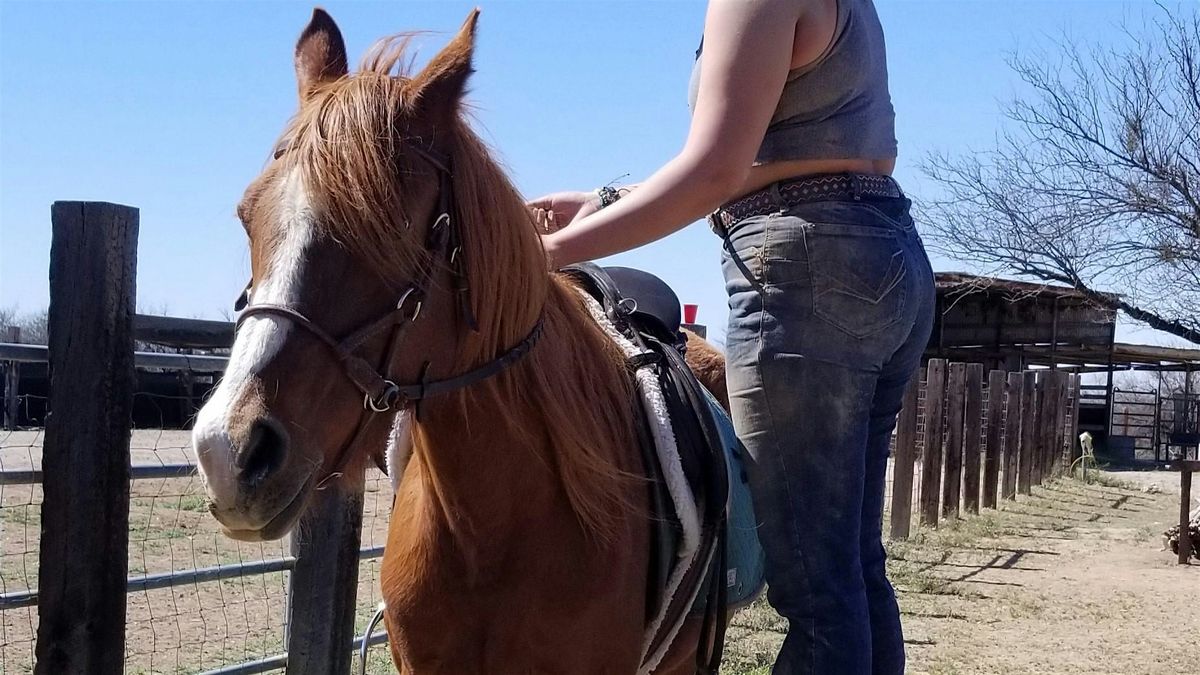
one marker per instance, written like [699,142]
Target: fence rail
[195,363]
[150,582]
[141,472]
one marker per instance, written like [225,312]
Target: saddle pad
[745,561]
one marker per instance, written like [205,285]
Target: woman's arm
[748,47]
[564,207]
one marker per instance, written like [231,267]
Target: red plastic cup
[689,313]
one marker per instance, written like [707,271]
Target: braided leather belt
[828,187]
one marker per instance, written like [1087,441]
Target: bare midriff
[765,174]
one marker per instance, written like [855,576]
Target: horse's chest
[540,616]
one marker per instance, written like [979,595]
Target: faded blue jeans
[831,306]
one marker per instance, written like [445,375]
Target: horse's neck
[484,468]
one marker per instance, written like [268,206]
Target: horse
[519,536]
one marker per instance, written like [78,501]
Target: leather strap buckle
[385,400]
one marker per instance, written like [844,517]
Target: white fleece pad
[677,486]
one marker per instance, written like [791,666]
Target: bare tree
[1095,183]
[8,318]
[35,327]
[1166,384]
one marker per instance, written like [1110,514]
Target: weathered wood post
[956,389]
[1042,412]
[905,458]
[187,401]
[323,586]
[972,436]
[1049,422]
[85,512]
[1013,390]
[12,383]
[994,450]
[1029,407]
[931,454]
[1186,468]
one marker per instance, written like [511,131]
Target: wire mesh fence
[20,529]
[197,599]
[192,625]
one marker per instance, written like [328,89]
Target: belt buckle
[856,186]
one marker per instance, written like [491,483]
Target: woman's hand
[546,221]
[568,206]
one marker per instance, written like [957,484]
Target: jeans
[831,306]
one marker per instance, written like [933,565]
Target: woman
[830,294]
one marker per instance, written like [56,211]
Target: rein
[381,394]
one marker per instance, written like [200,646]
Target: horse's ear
[442,81]
[320,53]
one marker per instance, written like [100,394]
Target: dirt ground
[1070,580]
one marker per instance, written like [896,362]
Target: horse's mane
[351,143]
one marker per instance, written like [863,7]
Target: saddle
[646,312]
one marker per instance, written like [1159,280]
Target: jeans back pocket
[858,276]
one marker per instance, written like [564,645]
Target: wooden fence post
[956,389]
[995,418]
[1049,423]
[931,455]
[1185,503]
[1038,462]
[323,586]
[972,428]
[12,383]
[187,401]
[1029,407]
[85,512]
[905,457]
[1013,390]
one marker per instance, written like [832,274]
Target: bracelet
[607,195]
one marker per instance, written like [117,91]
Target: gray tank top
[839,106]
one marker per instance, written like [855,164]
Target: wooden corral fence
[86,474]
[967,440]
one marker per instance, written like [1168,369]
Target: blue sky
[173,107]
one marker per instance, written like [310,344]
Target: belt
[827,187]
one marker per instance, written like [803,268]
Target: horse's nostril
[263,453]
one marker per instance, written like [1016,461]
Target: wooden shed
[1015,325]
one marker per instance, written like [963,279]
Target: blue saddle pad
[745,562]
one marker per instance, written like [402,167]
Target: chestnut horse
[519,538]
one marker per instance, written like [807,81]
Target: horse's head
[351,239]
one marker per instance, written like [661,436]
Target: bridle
[381,394]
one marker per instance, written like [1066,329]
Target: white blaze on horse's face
[239,448]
